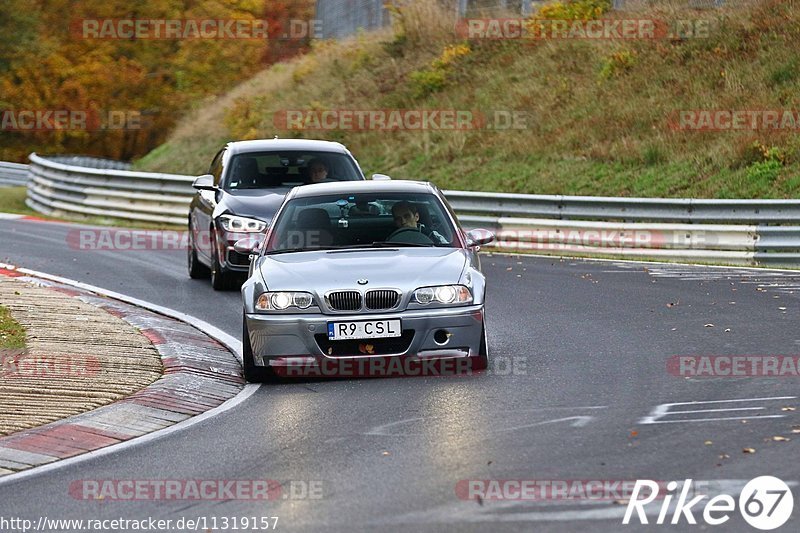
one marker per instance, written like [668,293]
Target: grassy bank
[12,200]
[598,114]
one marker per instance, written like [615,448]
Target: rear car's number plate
[367,329]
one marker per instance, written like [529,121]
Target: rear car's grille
[365,347]
[381,299]
[345,300]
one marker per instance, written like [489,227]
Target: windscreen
[362,221]
[276,169]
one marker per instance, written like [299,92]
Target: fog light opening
[442,337]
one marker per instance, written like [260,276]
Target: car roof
[349,187]
[265,145]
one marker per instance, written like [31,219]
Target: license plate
[367,329]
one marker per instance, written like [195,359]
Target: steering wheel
[410,236]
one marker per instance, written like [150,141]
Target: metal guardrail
[13,174]
[57,188]
[742,232]
[627,209]
[91,162]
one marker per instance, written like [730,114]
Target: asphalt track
[586,343]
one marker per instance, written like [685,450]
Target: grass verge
[12,334]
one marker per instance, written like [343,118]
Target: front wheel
[252,372]
[482,361]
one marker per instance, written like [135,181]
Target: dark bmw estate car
[244,187]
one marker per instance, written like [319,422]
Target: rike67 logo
[765,503]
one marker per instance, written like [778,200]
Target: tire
[197,270]
[252,372]
[220,281]
[482,361]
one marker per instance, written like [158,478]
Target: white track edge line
[228,340]
[641,262]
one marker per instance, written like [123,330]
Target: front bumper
[276,337]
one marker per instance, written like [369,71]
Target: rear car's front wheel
[220,280]
[197,270]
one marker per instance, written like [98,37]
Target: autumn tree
[48,62]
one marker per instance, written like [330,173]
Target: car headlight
[280,301]
[443,294]
[237,224]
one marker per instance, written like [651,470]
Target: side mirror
[479,237]
[204,183]
[381,177]
[248,245]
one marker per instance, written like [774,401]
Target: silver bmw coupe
[357,278]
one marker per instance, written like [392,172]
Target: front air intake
[344,300]
[381,299]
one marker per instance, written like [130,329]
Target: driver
[406,215]
[318,171]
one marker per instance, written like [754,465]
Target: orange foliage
[141,86]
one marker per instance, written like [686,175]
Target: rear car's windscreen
[276,169]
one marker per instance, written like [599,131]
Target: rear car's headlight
[443,294]
[280,301]
[237,224]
